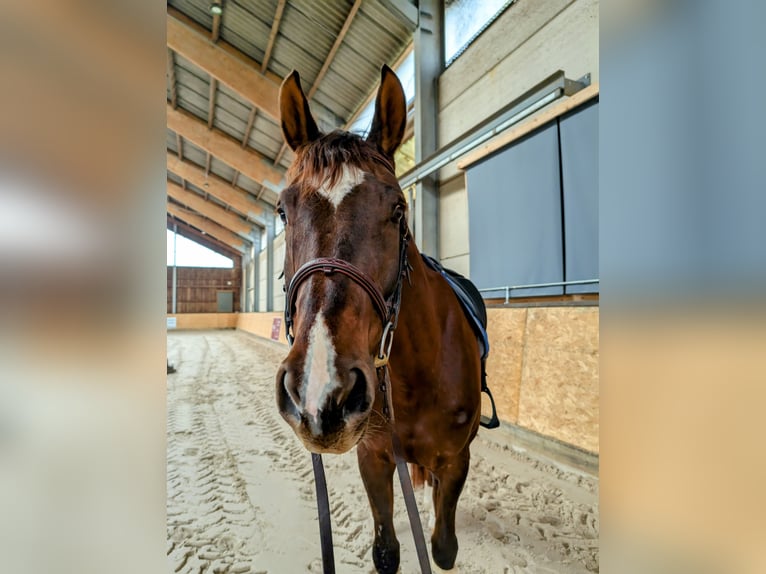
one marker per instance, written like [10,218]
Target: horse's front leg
[376,465]
[449,482]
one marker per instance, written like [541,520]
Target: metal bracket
[571,87]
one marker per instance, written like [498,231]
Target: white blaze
[320,364]
[351,177]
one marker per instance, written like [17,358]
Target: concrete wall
[530,41]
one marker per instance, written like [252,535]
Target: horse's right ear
[298,125]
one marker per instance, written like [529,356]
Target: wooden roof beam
[213,229]
[227,149]
[216,213]
[224,62]
[203,239]
[273,34]
[217,187]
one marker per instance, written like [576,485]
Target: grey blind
[515,226]
[579,170]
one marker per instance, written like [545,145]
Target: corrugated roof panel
[386,20]
[174,178]
[266,137]
[197,10]
[372,42]
[187,65]
[291,56]
[235,104]
[229,124]
[193,103]
[170,140]
[222,169]
[190,80]
[194,154]
[248,184]
[247,28]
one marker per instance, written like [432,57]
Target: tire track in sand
[241,493]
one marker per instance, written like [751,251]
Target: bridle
[387,309]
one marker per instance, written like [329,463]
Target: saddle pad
[470,299]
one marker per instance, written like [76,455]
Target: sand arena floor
[240,493]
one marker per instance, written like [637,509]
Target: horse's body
[343,202]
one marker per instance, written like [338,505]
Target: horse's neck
[418,305]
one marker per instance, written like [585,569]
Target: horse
[353,275]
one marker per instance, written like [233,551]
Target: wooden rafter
[220,233]
[203,239]
[273,35]
[211,99]
[215,33]
[224,62]
[171,72]
[216,187]
[223,147]
[338,41]
[327,62]
[249,126]
[216,213]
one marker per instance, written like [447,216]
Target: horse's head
[342,203]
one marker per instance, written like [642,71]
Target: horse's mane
[321,162]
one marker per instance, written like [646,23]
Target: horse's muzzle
[334,420]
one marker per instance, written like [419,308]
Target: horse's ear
[298,125]
[390,113]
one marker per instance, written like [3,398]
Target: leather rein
[387,309]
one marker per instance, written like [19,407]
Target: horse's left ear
[390,113]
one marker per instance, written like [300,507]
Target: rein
[388,311]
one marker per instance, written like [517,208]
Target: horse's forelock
[321,162]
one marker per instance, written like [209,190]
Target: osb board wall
[543,371]
[261,323]
[205,320]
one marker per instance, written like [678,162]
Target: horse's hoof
[386,558]
[444,553]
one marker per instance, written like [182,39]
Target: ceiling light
[216,9]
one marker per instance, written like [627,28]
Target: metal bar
[547,91]
[508,288]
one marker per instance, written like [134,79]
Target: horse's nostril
[287,401]
[357,400]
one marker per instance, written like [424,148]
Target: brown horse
[343,203]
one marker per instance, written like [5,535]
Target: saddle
[475,310]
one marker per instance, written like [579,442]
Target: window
[464,20]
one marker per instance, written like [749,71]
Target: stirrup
[489,422]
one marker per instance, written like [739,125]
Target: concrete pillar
[270,262]
[174,288]
[256,270]
[429,64]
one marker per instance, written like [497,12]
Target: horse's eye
[282,215]
[398,213]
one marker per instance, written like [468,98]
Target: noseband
[386,308]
